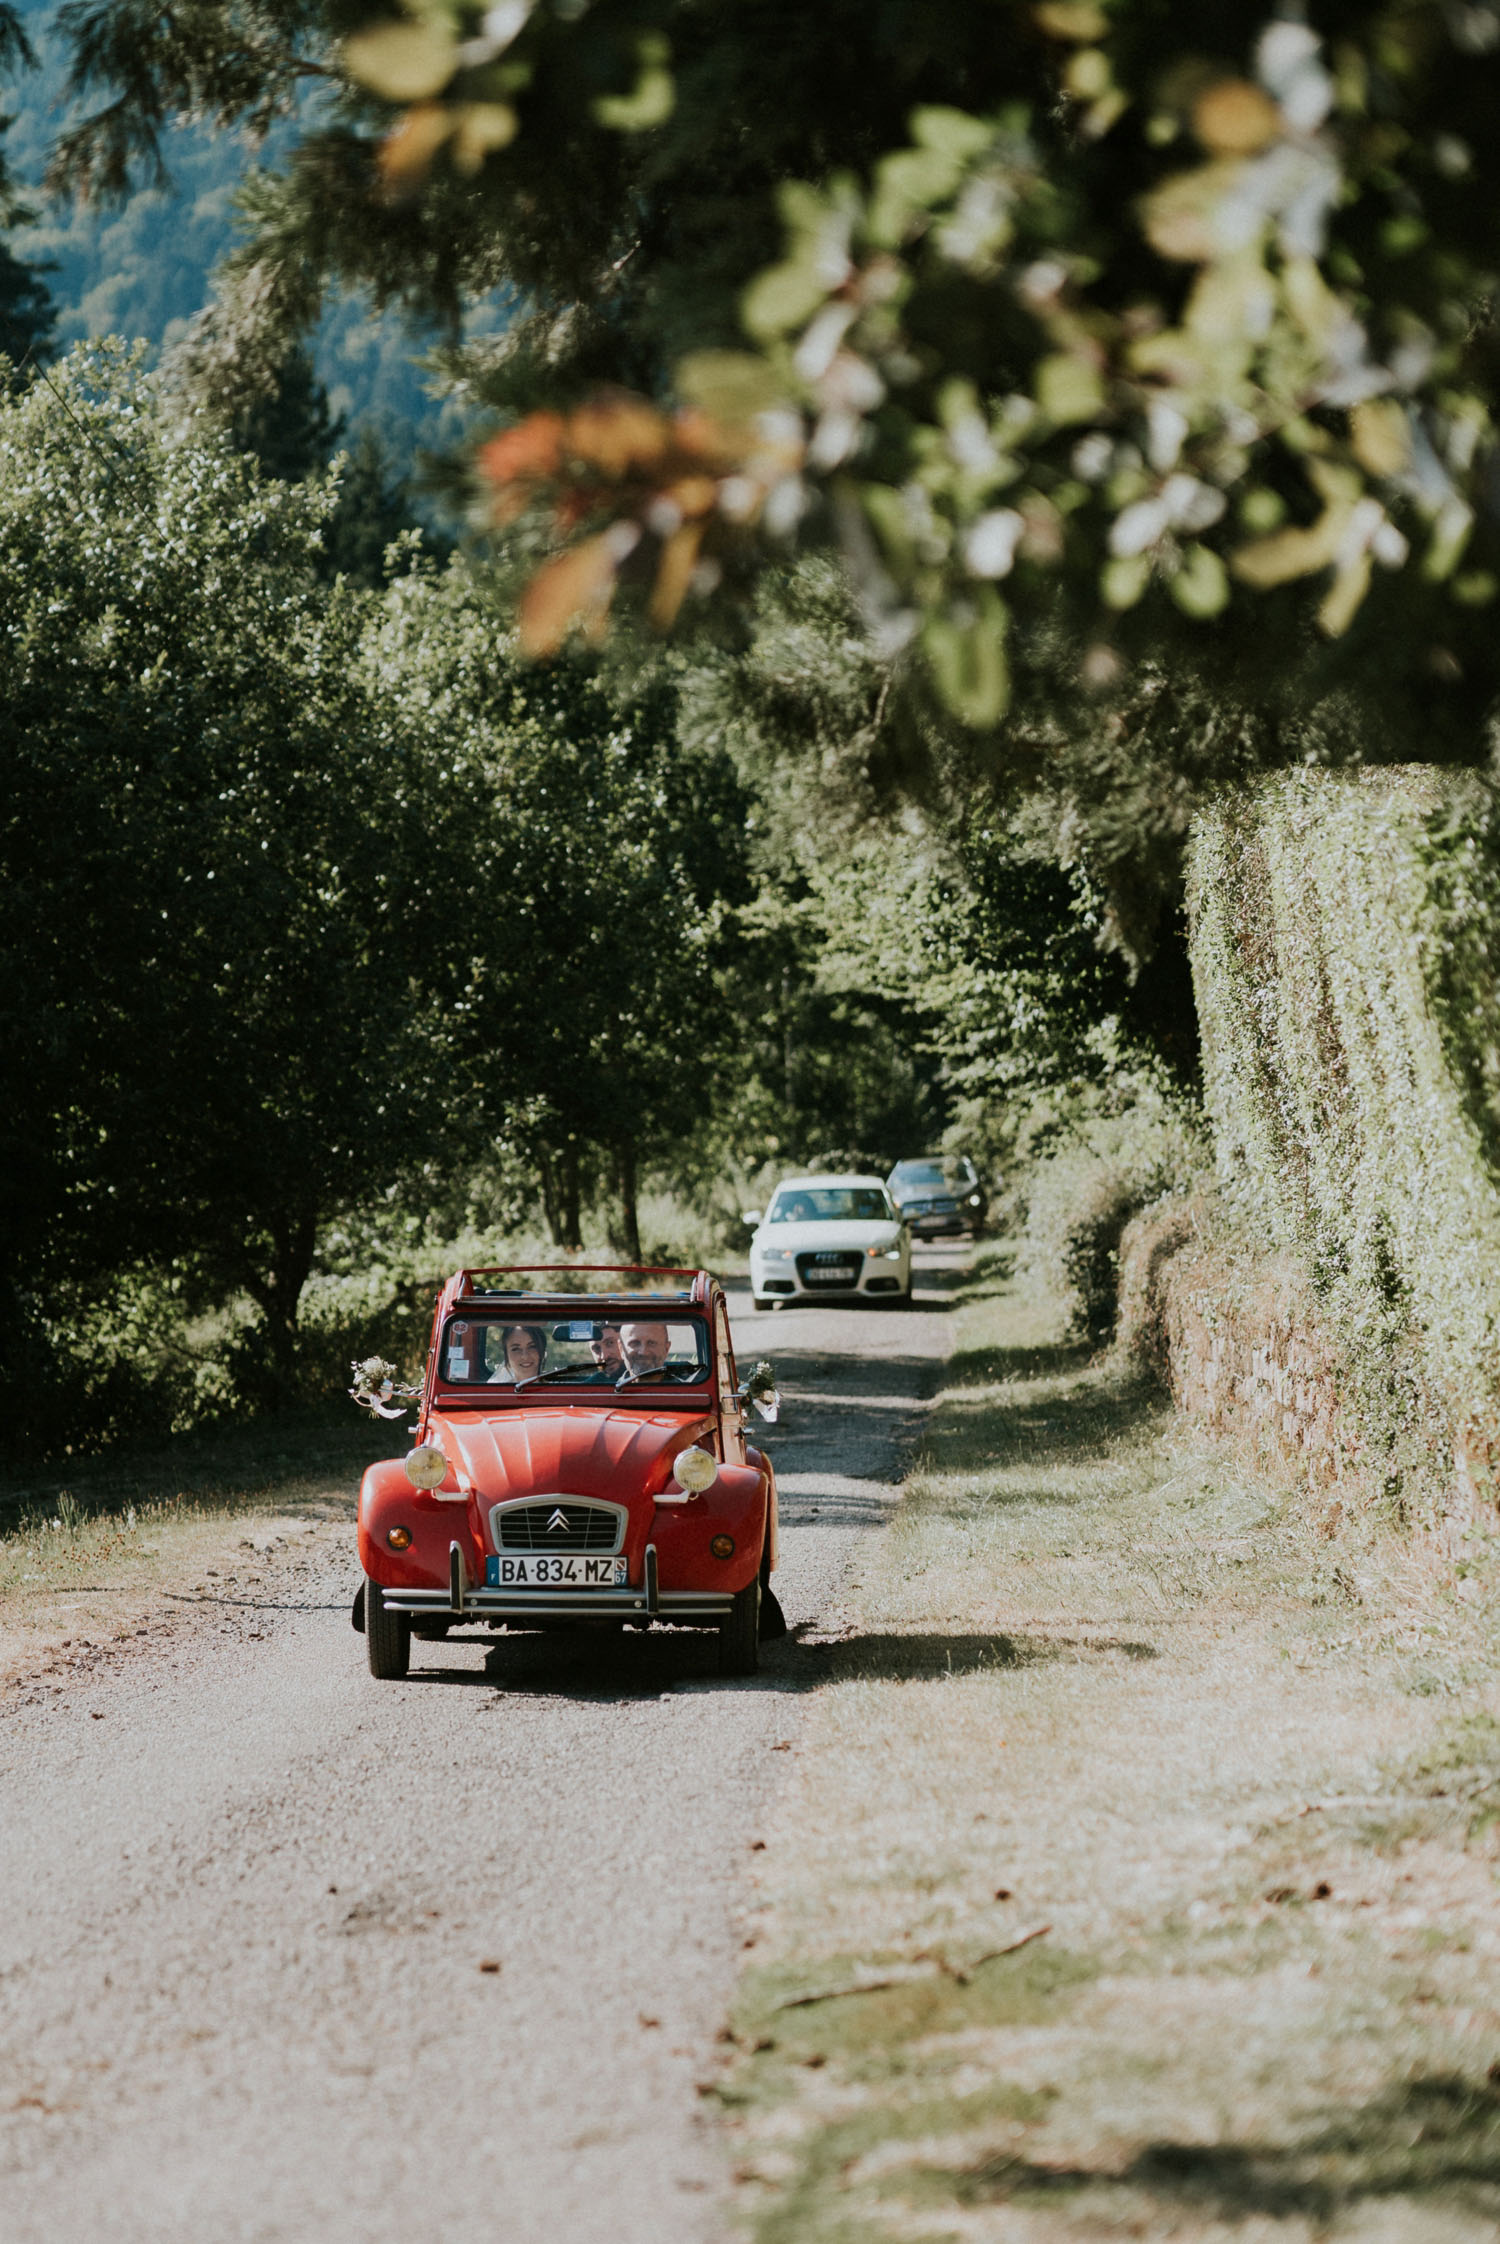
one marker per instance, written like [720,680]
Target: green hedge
[1113,1162]
[1345,929]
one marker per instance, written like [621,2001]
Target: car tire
[761,1301]
[772,1623]
[387,1637]
[739,1633]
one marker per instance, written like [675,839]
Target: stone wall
[1237,1339]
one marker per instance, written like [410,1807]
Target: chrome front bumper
[559,1604]
[562,1605]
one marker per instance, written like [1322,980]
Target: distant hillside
[142,270]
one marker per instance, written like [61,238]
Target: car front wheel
[387,1636]
[739,1633]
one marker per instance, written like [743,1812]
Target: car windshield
[523,1348]
[950,1175]
[830,1203]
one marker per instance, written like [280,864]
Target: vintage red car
[579,1458]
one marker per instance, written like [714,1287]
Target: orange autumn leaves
[666,487]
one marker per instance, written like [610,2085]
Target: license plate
[838,1277]
[538,1571]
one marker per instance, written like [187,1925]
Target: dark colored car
[939,1193]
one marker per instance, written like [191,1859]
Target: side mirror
[750,1218]
[761,1392]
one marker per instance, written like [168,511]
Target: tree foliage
[321,900]
[585,966]
[1137,358]
[311,894]
[209,1008]
[291,429]
[27,313]
[293,432]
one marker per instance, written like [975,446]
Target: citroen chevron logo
[558,1521]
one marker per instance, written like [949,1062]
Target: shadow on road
[920,1654]
[1091,1420]
[586,1666]
[836,1503]
[1433,2142]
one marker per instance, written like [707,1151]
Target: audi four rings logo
[558,1520]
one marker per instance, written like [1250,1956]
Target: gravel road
[254,1901]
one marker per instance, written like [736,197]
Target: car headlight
[885,1254]
[775,1254]
[427,1467]
[973,1199]
[695,1470]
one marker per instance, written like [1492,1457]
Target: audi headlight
[695,1470]
[427,1466]
[885,1254]
[775,1254]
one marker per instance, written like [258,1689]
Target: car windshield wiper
[675,1375]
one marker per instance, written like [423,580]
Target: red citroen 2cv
[580,1457]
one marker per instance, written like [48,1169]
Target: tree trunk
[629,1214]
[572,1233]
[551,1207]
[277,1293]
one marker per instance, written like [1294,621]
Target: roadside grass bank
[120,1549]
[1137,1874]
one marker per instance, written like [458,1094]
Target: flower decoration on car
[761,1390]
[376,1388]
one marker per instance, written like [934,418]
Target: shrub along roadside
[1112,1162]
[1343,933]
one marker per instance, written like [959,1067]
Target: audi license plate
[535,1570]
[839,1275]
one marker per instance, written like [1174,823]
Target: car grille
[532,1527]
[831,1268]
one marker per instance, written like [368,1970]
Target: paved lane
[242,1992]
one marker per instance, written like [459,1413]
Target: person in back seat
[606,1351]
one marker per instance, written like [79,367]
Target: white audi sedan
[829,1238]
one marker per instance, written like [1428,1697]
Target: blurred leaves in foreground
[1145,348]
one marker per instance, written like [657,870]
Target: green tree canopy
[211,873]
[290,428]
[588,977]
[1140,359]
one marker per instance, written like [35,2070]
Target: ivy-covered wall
[1345,929]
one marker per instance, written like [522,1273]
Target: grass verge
[1137,1875]
[94,1561]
